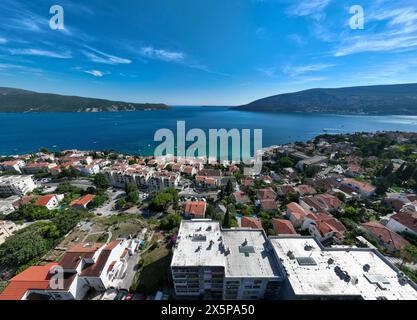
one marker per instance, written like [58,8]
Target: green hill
[398,99]
[17,100]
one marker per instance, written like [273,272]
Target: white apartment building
[7,228]
[315,272]
[231,264]
[13,165]
[16,185]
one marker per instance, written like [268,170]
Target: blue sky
[204,52]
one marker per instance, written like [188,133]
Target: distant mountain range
[17,100]
[398,99]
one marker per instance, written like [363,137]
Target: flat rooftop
[249,254]
[242,252]
[314,270]
[193,244]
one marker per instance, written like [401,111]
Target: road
[107,209]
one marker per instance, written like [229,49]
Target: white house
[402,222]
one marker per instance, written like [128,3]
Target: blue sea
[133,132]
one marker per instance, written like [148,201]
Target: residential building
[85,266]
[232,264]
[317,273]
[7,228]
[296,214]
[81,203]
[195,209]
[13,165]
[251,222]
[7,205]
[390,240]
[49,201]
[283,227]
[38,167]
[364,189]
[402,222]
[313,161]
[16,185]
[241,197]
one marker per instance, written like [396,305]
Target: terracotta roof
[44,200]
[251,222]
[282,226]
[36,277]
[366,187]
[268,204]
[195,208]
[264,194]
[83,201]
[85,247]
[305,189]
[385,235]
[297,211]
[406,220]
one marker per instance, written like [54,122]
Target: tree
[229,188]
[121,203]
[409,254]
[170,222]
[101,182]
[133,197]
[130,187]
[226,219]
[285,162]
[162,200]
[32,212]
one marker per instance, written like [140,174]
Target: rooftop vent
[308,247]
[246,250]
[290,255]
[208,228]
[306,261]
[330,261]
[199,237]
[366,267]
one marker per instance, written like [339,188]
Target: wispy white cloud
[3,40]
[269,72]
[313,8]
[21,68]
[161,54]
[41,53]
[294,71]
[98,56]
[297,39]
[376,43]
[398,25]
[95,73]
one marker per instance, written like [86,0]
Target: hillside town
[331,218]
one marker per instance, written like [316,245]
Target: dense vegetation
[28,245]
[16,100]
[387,99]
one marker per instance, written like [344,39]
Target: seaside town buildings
[16,185]
[214,263]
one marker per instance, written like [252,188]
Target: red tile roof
[268,204]
[44,200]
[251,222]
[297,211]
[282,226]
[406,220]
[83,201]
[36,277]
[385,235]
[195,208]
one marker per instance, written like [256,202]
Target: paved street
[107,209]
